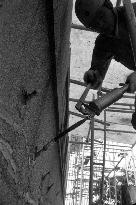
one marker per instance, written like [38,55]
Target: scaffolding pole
[115,187]
[133,159]
[103,168]
[131,22]
[81,180]
[91,165]
[88,135]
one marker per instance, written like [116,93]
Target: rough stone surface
[27,115]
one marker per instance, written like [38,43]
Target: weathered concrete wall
[27,115]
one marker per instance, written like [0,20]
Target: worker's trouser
[133,120]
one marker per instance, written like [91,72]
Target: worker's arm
[101,59]
[131,80]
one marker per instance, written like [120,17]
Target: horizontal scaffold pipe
[100,160]
[121,131]
[120,104]
[111,148]
[77,82]
[97,168]
[124,104]
[96,144]
[82,116]
[117,145]
[117,151]
[119,110]
[100,171]
[88,143]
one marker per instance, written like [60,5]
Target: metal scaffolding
[79,172]
[94,163]
[93,160]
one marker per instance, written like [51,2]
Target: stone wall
[27,110]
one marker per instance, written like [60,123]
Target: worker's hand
[93,77]
[133,120]
[131,80]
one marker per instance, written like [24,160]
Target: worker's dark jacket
[117,47]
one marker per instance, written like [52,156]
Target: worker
[113,41]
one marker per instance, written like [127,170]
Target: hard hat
[85,10]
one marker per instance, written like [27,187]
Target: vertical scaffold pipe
[104,152]
[131,23]
[81,180]
[115,187]
[91,164]
[134,167]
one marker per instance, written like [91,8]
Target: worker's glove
[131,80]
[93,77]
[133,120]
